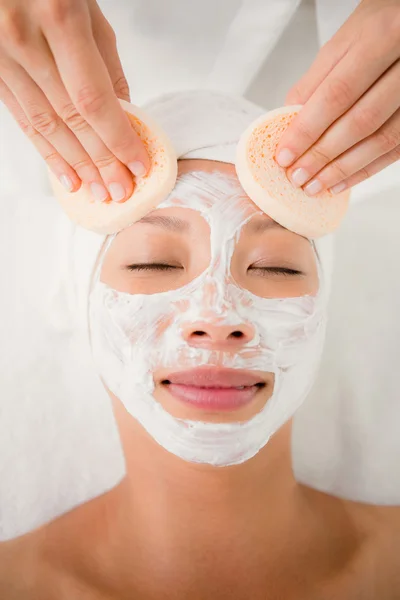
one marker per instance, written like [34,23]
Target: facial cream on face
[133,335]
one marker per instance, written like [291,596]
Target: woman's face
[171,247]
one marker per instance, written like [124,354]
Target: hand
[60,75]
[349,126]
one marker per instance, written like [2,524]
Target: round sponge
[266,183]
[149,191]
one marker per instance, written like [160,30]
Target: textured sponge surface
[266,183]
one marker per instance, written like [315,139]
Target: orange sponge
[266,183]
[149,191]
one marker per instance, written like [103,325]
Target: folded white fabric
[59,445]
[346,438]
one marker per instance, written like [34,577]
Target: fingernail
[339,187]
[117,192]
[137,168]
[285,157]
[300,176]
[313,187]
[99,192]
[67,183]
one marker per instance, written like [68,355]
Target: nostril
[217,333]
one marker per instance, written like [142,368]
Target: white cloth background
[345,439]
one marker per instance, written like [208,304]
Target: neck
[196,510]
[191,530]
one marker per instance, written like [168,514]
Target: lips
[214,389]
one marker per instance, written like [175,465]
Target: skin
[61,77]
[174,529]
[259,248]
[349,126]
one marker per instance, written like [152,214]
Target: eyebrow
[171,223]
[260,225]
[175,224]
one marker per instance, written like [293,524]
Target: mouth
[214,389]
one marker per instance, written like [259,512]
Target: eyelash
[165,267]
[278,271]
[153,267]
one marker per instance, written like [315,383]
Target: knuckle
[59,11]
[126,144]
[305,132]
[45,123]
[338,93]
[396,153]
[105,161]
[320,154]
[73,119]
[80,166]
[121,86]
[27,128]
[90,101]
[338,170]
[365,121]
[387,138]
[294,96]
[51,158]
[12,27]
[391,23]
[363,174]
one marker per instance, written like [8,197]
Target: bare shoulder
[374,570]
[17,571]
[27,574]
[41,563]
[358,547]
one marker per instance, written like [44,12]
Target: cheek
[163,325]
[153,322]
[276,285]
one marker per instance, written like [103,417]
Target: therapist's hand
[60,76]
[349,127]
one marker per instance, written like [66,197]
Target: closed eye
[168,267]
[153,267]
[277,271]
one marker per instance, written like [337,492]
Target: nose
[216,336]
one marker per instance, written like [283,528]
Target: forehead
[206,166]
[214,192]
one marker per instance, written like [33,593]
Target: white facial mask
[133,335]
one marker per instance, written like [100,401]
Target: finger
[346,83]
[47,131]
[89,86]
[327,59]
[374,167]
[369,114]
[381,143]
[83,149]
[106,42]
[54,160]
